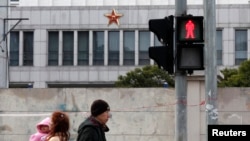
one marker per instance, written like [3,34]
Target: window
[240,46]
[53,48]
[28,46]
[83,48]
[129,48]
[144,43]
[68,47]
[14,48]
[14,2]
[157,42]
[98,48]
[113,48]
[219,46]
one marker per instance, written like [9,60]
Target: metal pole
[3,44]
[180,87]
[211,62]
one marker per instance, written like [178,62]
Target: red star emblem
[113,17]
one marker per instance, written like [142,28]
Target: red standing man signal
[189,29]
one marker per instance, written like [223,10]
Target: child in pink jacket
[42,130]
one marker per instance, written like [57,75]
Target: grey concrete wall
[138,114]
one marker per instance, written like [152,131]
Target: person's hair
[59,126]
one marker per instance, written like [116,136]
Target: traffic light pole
[3,46]
[180,87]
[211,64]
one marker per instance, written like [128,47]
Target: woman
[59,128]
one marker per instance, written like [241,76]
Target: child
[42,130]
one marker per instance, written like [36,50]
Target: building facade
[75,44]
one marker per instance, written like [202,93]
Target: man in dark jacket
[94,127]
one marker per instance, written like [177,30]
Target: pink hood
[39,135]
[45,121]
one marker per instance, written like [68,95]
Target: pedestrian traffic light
[163,56]
[189,29]
[163,29]
[189,43]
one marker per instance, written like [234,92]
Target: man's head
[100,110]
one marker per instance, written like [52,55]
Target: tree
[147,76]
[244,74]
[229,75]
[237,77]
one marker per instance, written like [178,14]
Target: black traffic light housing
[163,29]
[163,55]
